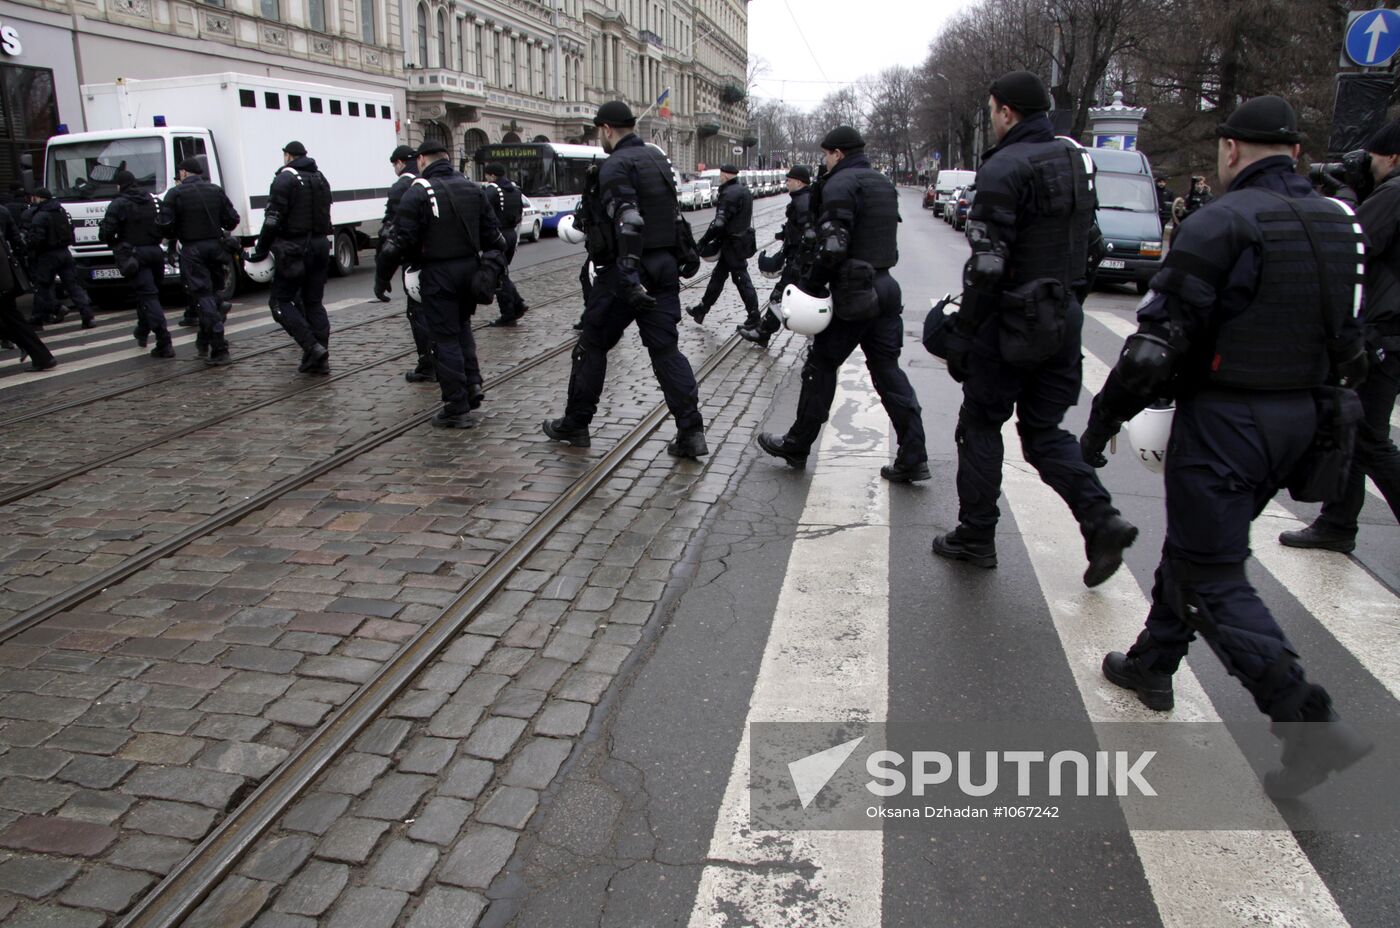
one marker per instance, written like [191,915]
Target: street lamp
[950,114]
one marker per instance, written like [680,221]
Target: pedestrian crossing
[78,349]
[827,659]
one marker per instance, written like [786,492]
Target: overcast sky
[850,39]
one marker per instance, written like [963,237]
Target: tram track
[187,885]
[134,563]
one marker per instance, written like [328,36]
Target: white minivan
[947,182]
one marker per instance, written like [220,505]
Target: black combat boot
[163,349]
[698,312]
[1316,745]
[449,419]
[1315,536]
[313,359]
[1105,540]
[565,431]
[956,546]
[141,336]
[475,395]
[1153,688]
[783,447]
[688,444]
[905,472]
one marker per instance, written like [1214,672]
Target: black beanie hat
[295,149]
[191,166]
[842,138]
[403,153]
[615,113]
[1268,120]
[800,172]
[1023,91]
[125,179]
[1386,141]
[728,169]
[496,169]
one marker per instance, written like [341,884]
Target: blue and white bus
[550,174]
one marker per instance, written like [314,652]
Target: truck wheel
[343,254]
[232,278]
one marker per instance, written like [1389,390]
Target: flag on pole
[663,110]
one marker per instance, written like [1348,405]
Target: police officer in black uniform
[798,236]
[732,229]
[131,230]
[197,214]
[857,225]
[509,202]
[405,162]
[632,236]
[1250,314]
[296,230]
[1015,343]
[446,228]
[1376,455]
[47,233]
[13,281]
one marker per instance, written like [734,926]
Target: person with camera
[14,280]
[1247,322]
[857,225]
[130,229]
[731,231]
[640,248]
[446,228]
[1199,194]
[47,234]
[797,227]
[1015,342]
[1376,455]
[197,214]
[296,232]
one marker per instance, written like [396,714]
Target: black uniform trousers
[57,264]
[507,297]
[881,339]
[299,289]
[731,267]
[1228,455]
[150,271]
[422,338]
[203,265]
[445,291]
[1376,455]
[606,317]
[14,328]
[1040,397]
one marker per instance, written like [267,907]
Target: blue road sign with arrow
[1373,37]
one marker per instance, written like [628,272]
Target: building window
[247,98]
[270,9]
[294,103]
[384,112]
[442,39]
[496,56]
[316,106]
[272,101]
[367,21]
[478,67]
[422,35]
[354,108]
[316,14]
[335,107]
[461,44]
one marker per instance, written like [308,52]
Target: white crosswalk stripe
[827,659]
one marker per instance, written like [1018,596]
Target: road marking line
[826,660]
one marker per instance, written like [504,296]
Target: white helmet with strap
[569,230]
[803,313]
[412,283]
[1149,433]
[259,271]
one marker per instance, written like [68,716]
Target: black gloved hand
[1094,440]
[382,289]
[637,298]
[259,253]
[690,268]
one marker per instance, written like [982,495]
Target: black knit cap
[432,148]
[1267,119]
[191,166]
[403,153]
[496,169]
[125,179]
[800,172]
[842,138]
[1386,141]
[728,169]
[42,193]
[615,113]
[295,149]
[1023,91]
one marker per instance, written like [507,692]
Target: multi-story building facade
[520,71]
[60,44]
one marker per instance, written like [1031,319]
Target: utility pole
[948,155]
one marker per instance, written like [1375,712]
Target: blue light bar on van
[159,122]
[62,129]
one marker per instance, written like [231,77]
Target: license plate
[106,273]
[1112,265]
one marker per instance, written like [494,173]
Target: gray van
[1128,217]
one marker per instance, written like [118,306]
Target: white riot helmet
[803,313]
[258,271]
[569,231]
[1148,433]
[771,266]
[411,283]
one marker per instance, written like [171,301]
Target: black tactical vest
[309,212]
[453,218]
[139,223]
[509,206]
[656,194]
[738,206]
[1052,237]
[798,217]
[874,237]
[1307,283]
[197,207]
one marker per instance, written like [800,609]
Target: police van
[235,125]
[1127,217]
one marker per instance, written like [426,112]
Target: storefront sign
[9,40]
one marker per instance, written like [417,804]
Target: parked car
[1127,217]
[963,207]
[689,196]
[949,180]
[531,221]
